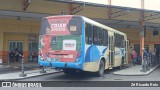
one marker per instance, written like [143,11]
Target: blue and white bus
[75,43]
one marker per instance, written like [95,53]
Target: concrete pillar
[109,9]
[141,43]
[141,23]
[1,45]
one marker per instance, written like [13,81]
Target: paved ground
[135,70]
[30,73]
[108,76]
[13,70]
[16,67]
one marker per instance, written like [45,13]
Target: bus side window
[122,39]
[105,37]
[100,36]
[88,34]
[95,35]
[118,40]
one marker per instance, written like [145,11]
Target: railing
[149,62]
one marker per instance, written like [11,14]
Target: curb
[138,74]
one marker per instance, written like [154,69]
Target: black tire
[122,63]
[101,69]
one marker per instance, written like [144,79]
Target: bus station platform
[134,70]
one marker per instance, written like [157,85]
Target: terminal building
[20,21]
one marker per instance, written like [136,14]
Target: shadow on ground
[84,76]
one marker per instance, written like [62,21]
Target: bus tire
[122,62]
[101,69]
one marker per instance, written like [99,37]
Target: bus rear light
[79,54]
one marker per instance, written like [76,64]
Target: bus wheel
[101,69]
[121,66]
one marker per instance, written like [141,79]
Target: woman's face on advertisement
[48,30]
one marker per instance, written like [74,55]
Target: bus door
[126,42]
[111,51]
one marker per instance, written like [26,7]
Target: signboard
[69,44]
[58,26]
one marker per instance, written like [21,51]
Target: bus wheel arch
[101,69]
[103,59]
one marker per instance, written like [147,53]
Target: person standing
[131,55]
[153,57]
[11,56]
[157,55]
[134,57]
[150,58]
[146,59]
[17,54]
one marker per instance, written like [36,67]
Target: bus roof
[89,21]
[58,16]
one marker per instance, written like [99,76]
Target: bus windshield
[61,26]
